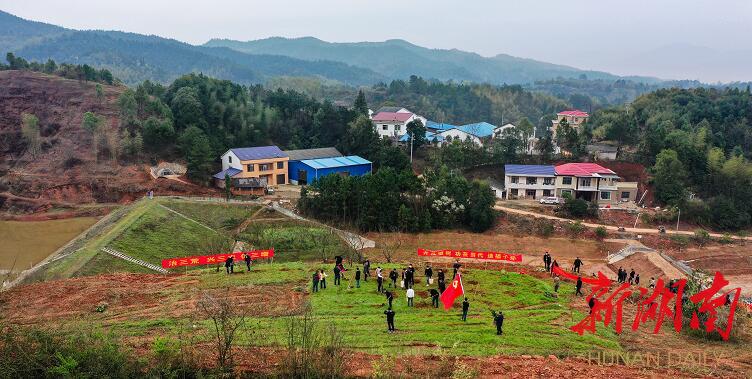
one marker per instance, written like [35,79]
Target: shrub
[544,228]
[601,232]
[726,239]
[312,351]
[680,239]
[701,237]
[576,228]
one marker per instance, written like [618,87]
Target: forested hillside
[698,142]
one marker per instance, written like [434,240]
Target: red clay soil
[65,173]
[133,297]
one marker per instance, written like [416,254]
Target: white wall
[235,161]
[459,134]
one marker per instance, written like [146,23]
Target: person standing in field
[410,297]
[410,276]
[322,278]
[337,274]
[229,265]
[591,304]
[247,258]
[442,282]
[556,283]
[456,266]
[379,280]
[547,261]
[389,297]
[652,283]
[315,279]
[498,319]
[393,278]
[465,308]
[366,270]
[554,264]
[631,276]
[429,274]
[577,264]
[434,297]
[389,320]
[637,280]
[579,286]
[357,278]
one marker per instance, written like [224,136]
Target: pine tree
[360,106]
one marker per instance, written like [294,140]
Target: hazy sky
[696,39]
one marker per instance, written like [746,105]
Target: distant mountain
[398,59]
[135,57]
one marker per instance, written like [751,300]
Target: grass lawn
[159,234]
[294,240]
[214,215]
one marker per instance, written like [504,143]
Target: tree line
[65,70]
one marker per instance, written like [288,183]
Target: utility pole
[412,137]
[677,218]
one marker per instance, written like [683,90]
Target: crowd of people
[390,281]
[622,275]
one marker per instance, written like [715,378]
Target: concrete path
[608,227]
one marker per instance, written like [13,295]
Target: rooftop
[583,169]
[439,125]
[350,160]
[259,152]
[392,116]
[323,152]
[230,171]
[573,112]
[478,129]
[430,137]
[529,169]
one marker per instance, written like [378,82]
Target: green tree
[360,106]
[669,178]
[128,108]
[158,134]
[199,159]
[186,108]
[30,132]
[360,138]
[228,187]
[93,124]
[480,213]
[545,146]
[99,91]
[417,132]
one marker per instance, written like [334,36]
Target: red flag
[452,292]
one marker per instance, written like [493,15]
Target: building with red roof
[574,117]
[593,182]
[394,124]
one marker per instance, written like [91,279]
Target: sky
[707,40]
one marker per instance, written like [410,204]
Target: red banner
[487,255]
[214,259]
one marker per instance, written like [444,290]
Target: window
[250,167]
[546,192]
[530,193]
[280,165]
[514,192]
[532,180]
[585,182]
[281,179]
[265,166]
[605,195]
[229,159]
[567,180]
[384,127]
[515,179]
[548,181]
[625,195]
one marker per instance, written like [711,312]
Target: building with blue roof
[307,170]
[252,169]
[431,137]
[530,182]
[478,133]
[439,126]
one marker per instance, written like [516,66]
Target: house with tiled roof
[575,118]
[252,169]
[394,124]
[587,181]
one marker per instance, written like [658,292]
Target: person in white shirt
[410,297]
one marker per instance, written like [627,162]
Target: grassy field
[214,215]
[293,240]
[29,242]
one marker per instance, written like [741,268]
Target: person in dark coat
[440,276]
[637,280]
[577,264]
[631,276]
[393,278]
[315,280]
[230,265]
[366,270]
[389,297]
[498,318]
[379,283]
[357,277]
[547,261]
[389,319]
[247,258]
[465,308]
[337,275]
[428,272]
[591,304]
[579,286]
[442,285]
[620,275]
[456,266]
[434,297]
[409,277]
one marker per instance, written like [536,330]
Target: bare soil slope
[66,172]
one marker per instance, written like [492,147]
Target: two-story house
[393,124]
[575,118]
[529,181]
[252,169]
[587,181]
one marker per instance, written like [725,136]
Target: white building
[393,124]
[529,181]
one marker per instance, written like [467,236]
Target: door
[530,194]
[281,179]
